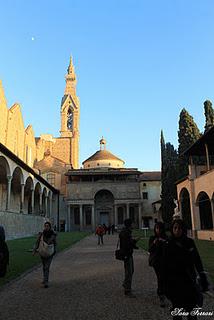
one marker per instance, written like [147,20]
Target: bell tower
[70,108]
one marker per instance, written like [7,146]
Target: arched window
[51,178]
[70,119]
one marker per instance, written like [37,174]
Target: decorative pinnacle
[102,144]
[70,67]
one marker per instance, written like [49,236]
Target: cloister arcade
[200,212]
[24,192]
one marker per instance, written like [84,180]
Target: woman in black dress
[156,243]
[181,260]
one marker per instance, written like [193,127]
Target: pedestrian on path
[4,253]
[127,245]
[181,260]
[156,245]
[100,232]
[46,247]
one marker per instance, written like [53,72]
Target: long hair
[182,225]
[161,228]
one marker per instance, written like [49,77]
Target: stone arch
[4,163]
[104,206]
[49,200]
[16,186]
[28,196]
[37,204]
[185,208]
[5,172]
[205,210]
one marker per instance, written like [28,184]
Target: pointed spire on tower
[70,79]
[70,67]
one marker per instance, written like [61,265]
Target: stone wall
[87,190]
[153,189]
[205,234]
[19,225]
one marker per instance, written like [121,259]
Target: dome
[103,158]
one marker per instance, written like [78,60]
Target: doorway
[104,218]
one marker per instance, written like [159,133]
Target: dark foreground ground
[85,283]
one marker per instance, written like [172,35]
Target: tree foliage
[209,115]
[188,133]
[169,158]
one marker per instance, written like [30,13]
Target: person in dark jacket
[181,260]
[4,253]
[156,243]
[49,237]
[127,244]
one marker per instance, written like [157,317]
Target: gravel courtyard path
[85,283]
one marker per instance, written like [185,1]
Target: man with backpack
[127,245]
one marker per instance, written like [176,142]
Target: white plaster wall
[153,188]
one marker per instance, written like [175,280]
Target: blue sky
[138,63]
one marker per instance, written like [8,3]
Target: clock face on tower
[70,119]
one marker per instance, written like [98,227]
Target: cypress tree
[168,178]
[188,133]
[209,115]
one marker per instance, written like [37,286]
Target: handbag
[45,250]
[118,253]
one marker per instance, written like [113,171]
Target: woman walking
[156,243]
[46,247]
[181,260]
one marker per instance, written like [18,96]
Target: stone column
[32,200]
[9,179]
[139,216]
[68,218]
[46,206]
[212,209]
[92,218]
[50,207]
[40,203]
[22,198]
[81,217]
[127,210]
[195,215]
[115,215]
